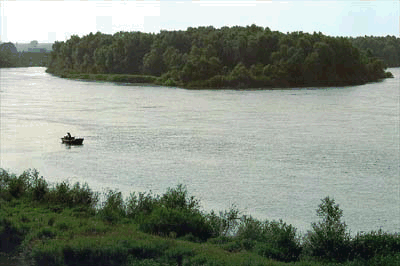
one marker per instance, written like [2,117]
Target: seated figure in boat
[68,136]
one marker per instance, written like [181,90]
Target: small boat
[68,139]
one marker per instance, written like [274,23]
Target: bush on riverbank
[66,225]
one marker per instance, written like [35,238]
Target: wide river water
[273,153]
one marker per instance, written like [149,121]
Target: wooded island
[229,57]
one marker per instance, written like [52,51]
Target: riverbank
[214,83]
[68,225]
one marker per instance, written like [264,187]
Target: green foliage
[281,241]
[388,75]
[61,194]
[51,221]
[4,181]
[10,236]
[78,195]
[170,83]
[240,74]
[271,239]
[173,212]
[386,48]
[217,81]
[141,204]
[164,220]
[46,233]
[10,57]
[62,226]
[250,229]
[228,57]
[177,198]
[18,186]
[224,224]
[375,244]
[113,209]
[176,231]
[329,239]
[39,187]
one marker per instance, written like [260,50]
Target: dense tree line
[10,57]
[385,48]
[249,56]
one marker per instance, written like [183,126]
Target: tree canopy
[236,56]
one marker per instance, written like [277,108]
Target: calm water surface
[273,153]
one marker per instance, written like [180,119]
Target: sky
[53,20]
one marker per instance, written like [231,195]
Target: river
[273,153]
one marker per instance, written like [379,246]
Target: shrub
[140,205]
[174,212]
[17,186]
[170,82]
[164,220]
[329,239]
[388,75]
[224,224]
[77,196]
[367,246]
[4,178]
[177,198]
[250,229]
[62,194]
[280,241]
[113,208]
[248,244]
[39,188]
[84,196]
[4,182]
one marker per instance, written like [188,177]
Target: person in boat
[68,136]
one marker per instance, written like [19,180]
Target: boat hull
[74,141]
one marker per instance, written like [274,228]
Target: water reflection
[71,146]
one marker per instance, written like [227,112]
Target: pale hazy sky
[47,21]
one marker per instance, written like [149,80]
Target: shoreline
[146,80]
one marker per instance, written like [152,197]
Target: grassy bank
[67,225]
[123,78]
[216,82]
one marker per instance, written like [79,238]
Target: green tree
[153,62]
[8,55]
[329,239]
[173,59]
